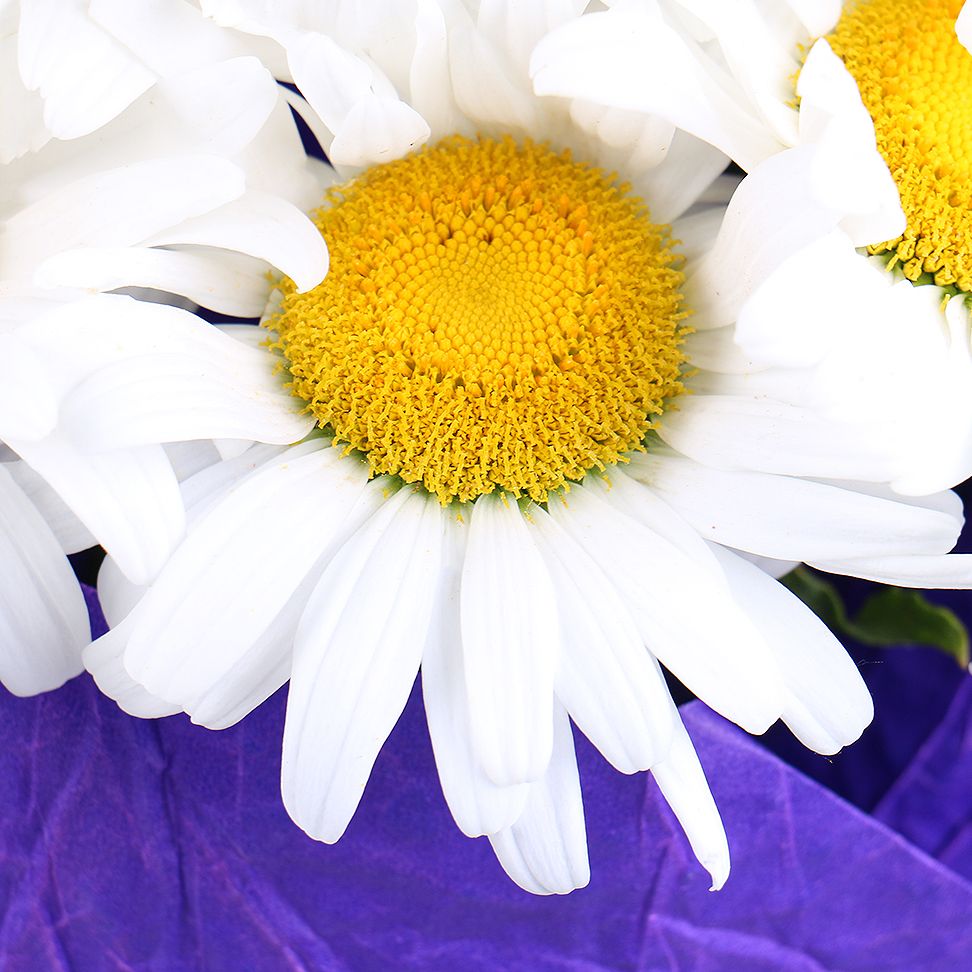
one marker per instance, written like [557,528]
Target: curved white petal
[607,680]
[477,804]
[84,75]
[849,175]
[356,655]
[682,782]
[262,226]
[377,130]
[545,851]
[104,660]
[116,593]
[952,571]
[748,432]
[230,283]
[829,705]
[630,58]
[71,533]
[43,619]
[219,389]
[755,512]
[685,614]
[128,499]
[113,208]
[510,642]
[226,584]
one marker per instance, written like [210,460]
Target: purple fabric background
[162,846]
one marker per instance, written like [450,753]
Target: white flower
[319,564]
[163,190]
[753,79]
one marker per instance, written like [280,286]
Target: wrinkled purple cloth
[161,846]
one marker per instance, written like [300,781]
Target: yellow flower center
[495,316]
[916,81]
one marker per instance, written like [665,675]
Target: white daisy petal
[28,404]
[953,571]
[116,593]
[104,660]
[233,284]
[545,851]
[220,389]
[43,619]
[71,533]
[112,208]
[128,499]
[829,705]
[510,643]
[356,655]
[739,432]
[377,130]
[84,75]
[262,226]
[22,127]
[210,605]
[963,26]
[754,511]
[682,782]
[663,588]
[626,57]
[607,680]
[477,804]
[848,173]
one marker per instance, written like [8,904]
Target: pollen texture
[916,81]
[495,316]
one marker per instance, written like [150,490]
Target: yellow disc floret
[495,316]
[916,81]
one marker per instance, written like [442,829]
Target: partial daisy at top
[123,176]
[748,77]
[520,370]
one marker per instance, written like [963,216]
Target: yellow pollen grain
[495,316]
[915,79]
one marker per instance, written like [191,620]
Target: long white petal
[112,208]
[628,57]
[84,75]
[545,851]
[228,581]
[607,680]
[128,498]
[686,616]
[71,533]
[754,511]
[356,655]
[510,643]
[261,225]
[746,432]
[951,571]
[221,389]
[682,782]
[829,704]
[43,619]
[104,660]
[477,804]
[230,283]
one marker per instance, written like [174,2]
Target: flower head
[528,478]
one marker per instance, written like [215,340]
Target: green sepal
[893,616]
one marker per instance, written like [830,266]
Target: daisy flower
[748,77]
[163,190]
[502,363]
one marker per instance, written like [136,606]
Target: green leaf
[893,616]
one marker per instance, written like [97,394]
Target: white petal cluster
[829,410]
